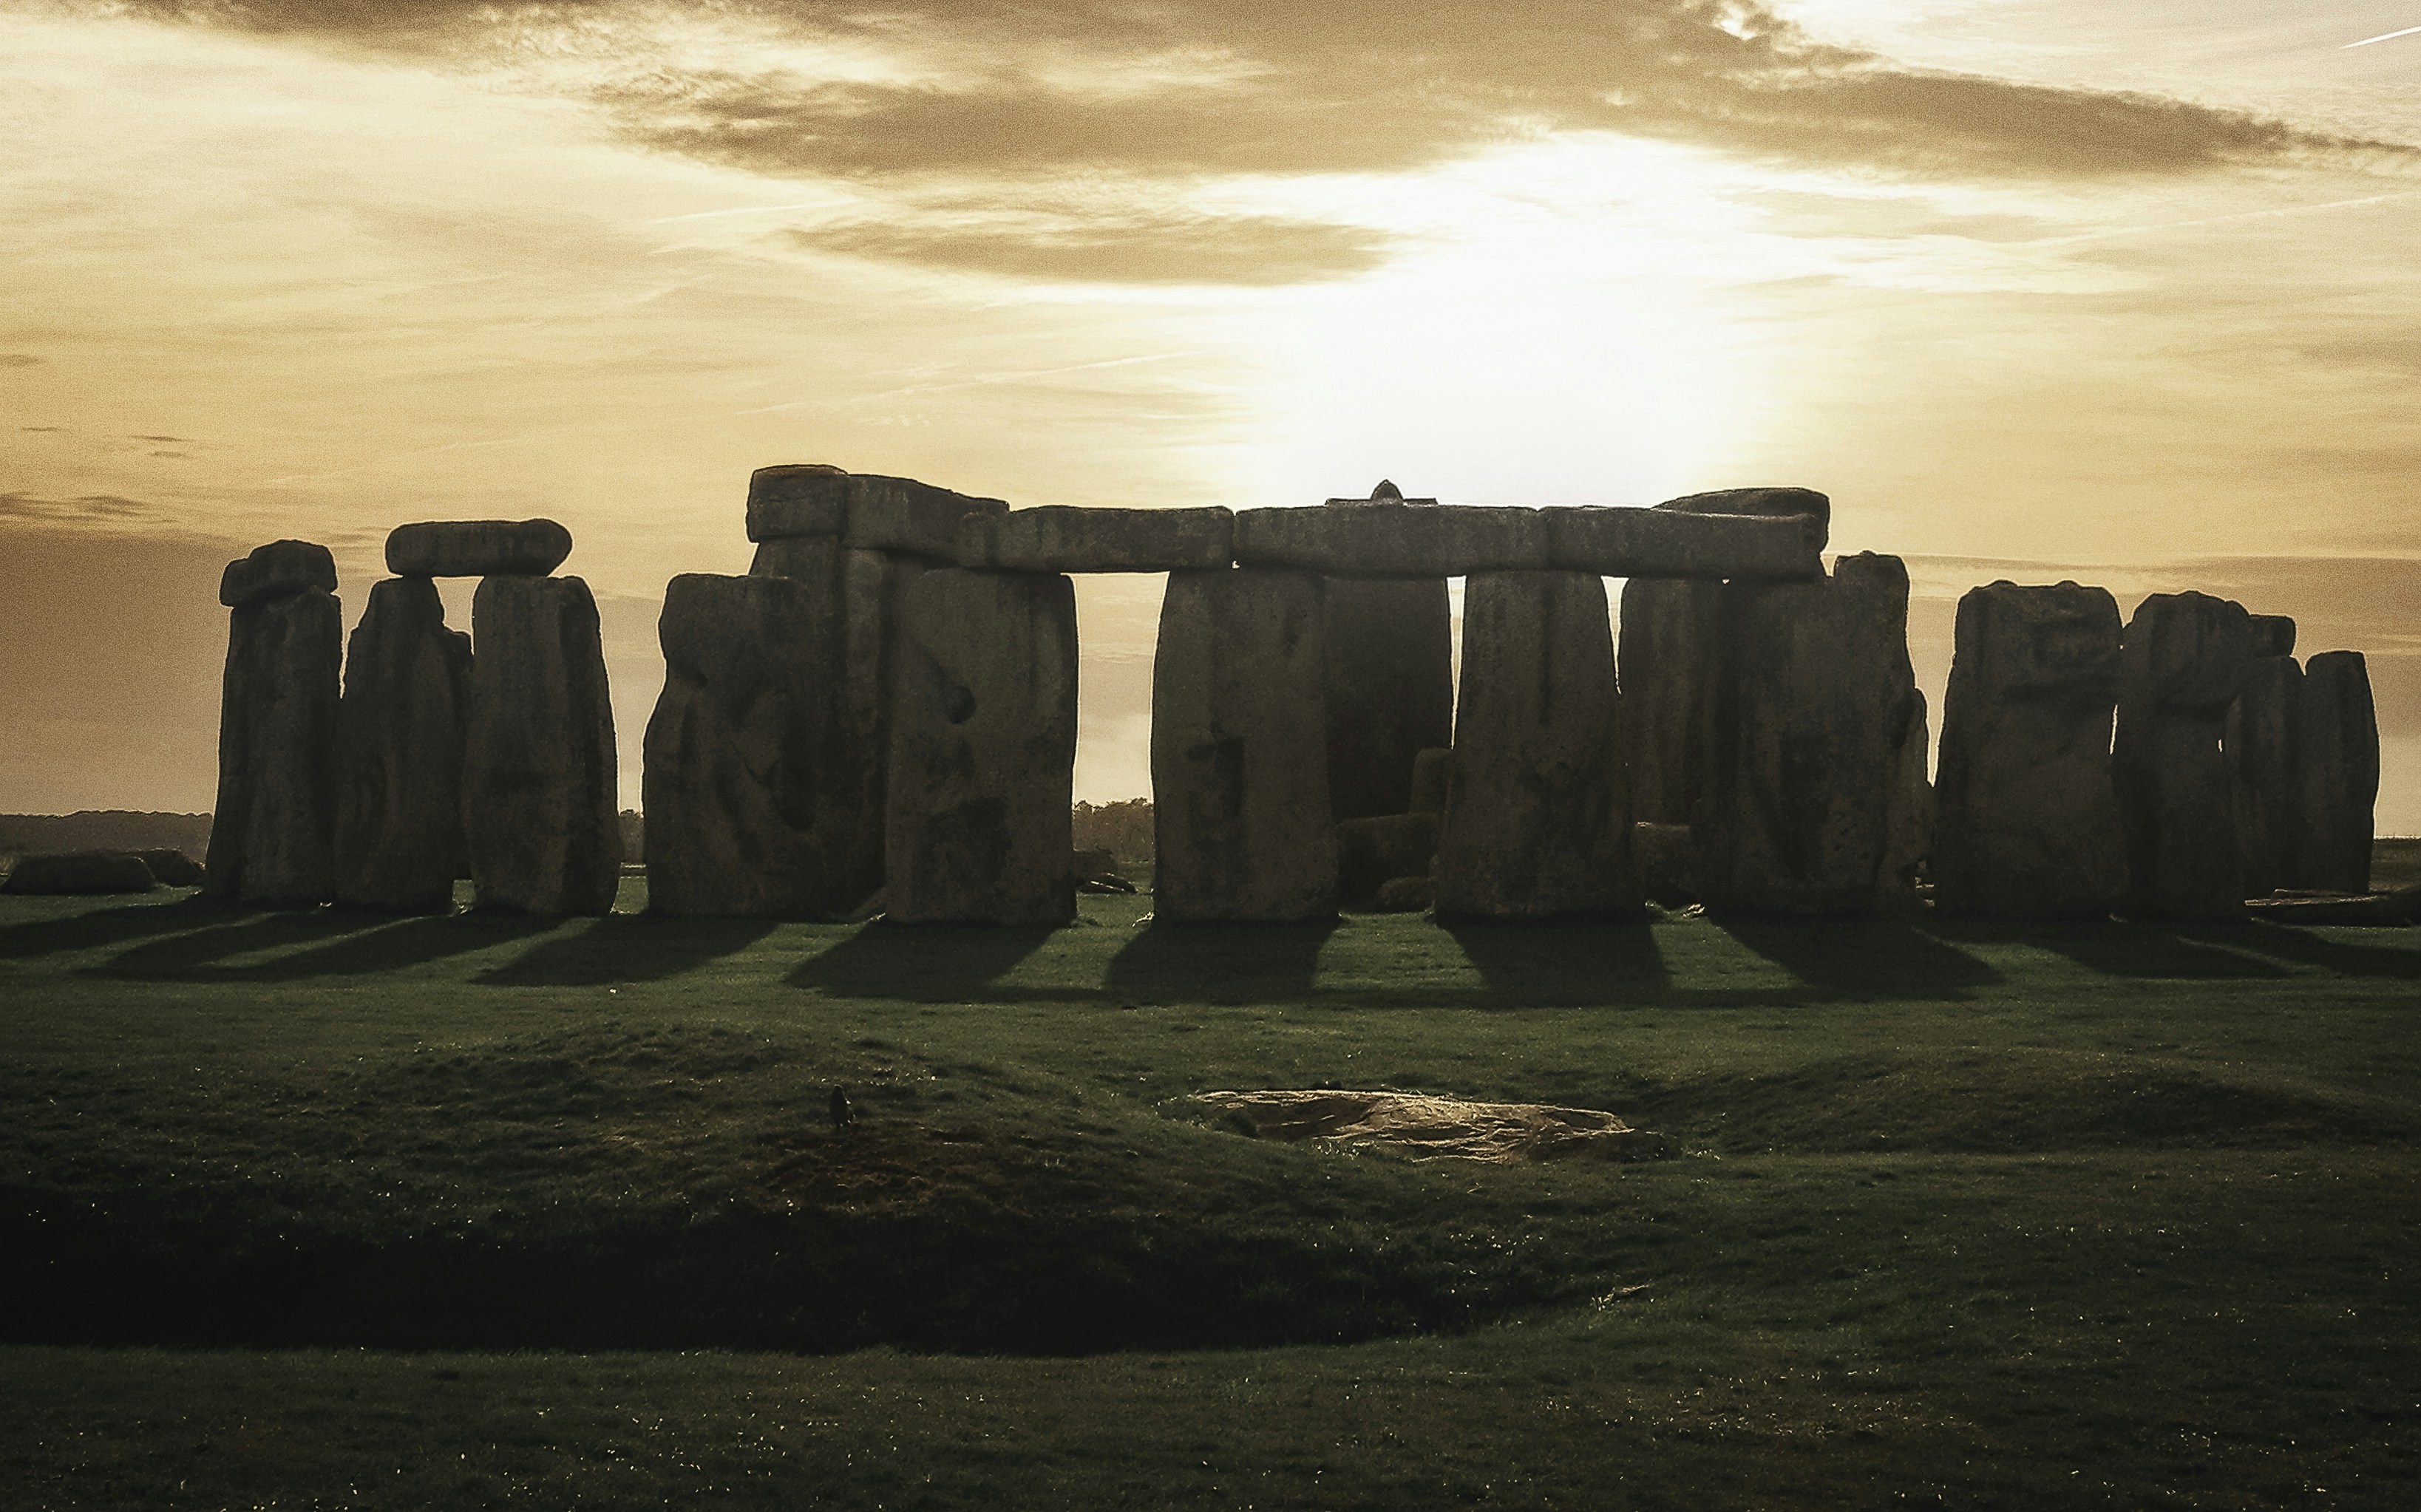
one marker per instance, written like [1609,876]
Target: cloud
[19,359]
[1180,249]
[89,509]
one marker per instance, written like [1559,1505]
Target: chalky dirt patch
[1431,1128]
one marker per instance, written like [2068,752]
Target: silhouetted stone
[171,868]
[399,744]
[538,776]
[1063,538]
[2028,812]
[1431,767]
[797,499]
[1617,541]
[79,873]
[900,514]
[1667,861]
[983,751]
[1535,826]
[1806,808]
[2258,741]
[1373,851]
[273,831]
[1240,820]
[2273,634]
[1394,538]
[2183,660]
[1405,895]
[1813,510]
[1389,676]
[1670,657]
[282,566]
[476,548]
[2336,753]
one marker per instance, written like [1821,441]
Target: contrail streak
[2383,37]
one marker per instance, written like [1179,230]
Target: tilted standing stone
[1808,802]
[1389,679]
[2337,752]
[1535,826]
[273,832]
[983,751]
[539,779]
[1240,817]
[399,733]
[2260,741]
[2182,661]
[2028,811]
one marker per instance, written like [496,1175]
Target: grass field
[323,1210]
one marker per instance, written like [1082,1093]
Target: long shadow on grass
[1564,964]
[2135,948]
[622,947]
[1220,963]
[107,926]
[1862,959]
[925,962]
[2396,953]
[362,946]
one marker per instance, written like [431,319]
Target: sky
[2118,291]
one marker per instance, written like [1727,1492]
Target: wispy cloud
[19,359]
[87,508]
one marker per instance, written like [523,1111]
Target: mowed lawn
[314,1210]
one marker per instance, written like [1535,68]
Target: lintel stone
[1063,538]
[476,548]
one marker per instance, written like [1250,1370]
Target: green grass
[480,1211]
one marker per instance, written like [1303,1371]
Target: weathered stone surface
[1666,859]
[1063,538]
[1432,766]
[2183,660]
[1805,809]
[476,548]
[1670,657]
[282,566]
[1392,538]
[813,560]
[171,868]
[2028,811]
[2336,753]
[797,499]
[1241,819]
[399,734]
[983,751]
[1371,853]
[80,872]
[538,776]
[1389,677]
[1615,541]
[1813,509]
[1535,826]
[2258,741]
[2273,634]
[273,831]
[1910,830]
[1405,895]
[736,807]
[900,514]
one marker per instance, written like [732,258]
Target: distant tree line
[1123,829]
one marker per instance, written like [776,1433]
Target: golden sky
[2117,289]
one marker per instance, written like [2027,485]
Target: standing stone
[273,834]
[736,810]
[399,734]
[1669,661]
[2028,813]
[983,751]
[1808,802]
[2273,634]
[2259,743]
[1535,826]
[1430,765]
[2183,660]
[1389,679]
[2336,753]
[538,777]
[1239,819]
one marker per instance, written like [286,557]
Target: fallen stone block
[1392,538]
[1063,538]
[401,728]
[1615,541]
[476,548]
[282,566]
[1420,1126]
[1371,853]
[79,873]
[272,829]
[171,868]
[797,499]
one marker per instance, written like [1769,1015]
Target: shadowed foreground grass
[474,1211]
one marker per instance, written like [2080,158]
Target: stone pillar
[1810,802]
[273,832]
[1535,826]
[1669,663]
[2183,659]
[2337,752]
[399,732]
[2029,815]
[2260,742]
[983,751]
[1240,820]
[1390,681]
[539,779]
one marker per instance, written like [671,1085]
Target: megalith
[273,832]
[1240,820]
[983,751]
[2336,751]
[2028,813]
[1815,751]
[399,734]
[2183,660]
[2260,740]
[538,776]
[1389,679]
[1535,825]
[737,812]
[476,548]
